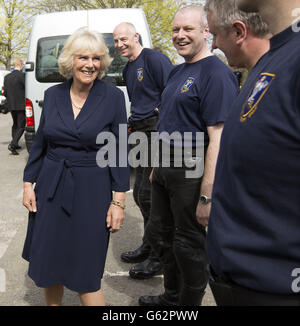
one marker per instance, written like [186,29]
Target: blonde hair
[18,62]
[80,41]
[196,8]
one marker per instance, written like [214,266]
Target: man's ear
[240,31]
[206,32]
[137,37]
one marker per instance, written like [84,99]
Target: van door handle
[40,103]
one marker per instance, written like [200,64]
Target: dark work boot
[147,269]
[12,149]
[138,255]
[158,300]
[191,297]
[172,287]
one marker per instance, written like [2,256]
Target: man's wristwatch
[204,200]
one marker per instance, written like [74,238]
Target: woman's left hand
[115,218]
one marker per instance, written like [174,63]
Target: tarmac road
[16,288]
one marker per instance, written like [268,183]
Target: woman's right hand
[29,200]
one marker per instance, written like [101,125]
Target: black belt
[149,124]
[175,153]
[69,184]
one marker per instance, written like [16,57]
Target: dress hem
[64,283]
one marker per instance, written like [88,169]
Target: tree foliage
[48,6]
[14,30]
[59,5]
[160,14]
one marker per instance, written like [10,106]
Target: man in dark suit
[14,91]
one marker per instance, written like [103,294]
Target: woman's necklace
[73,103]
[75,106]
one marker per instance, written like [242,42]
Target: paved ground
[16,288]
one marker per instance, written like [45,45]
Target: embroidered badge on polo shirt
[187,85]
[260,89]
[140,74]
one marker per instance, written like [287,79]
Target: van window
[49,49]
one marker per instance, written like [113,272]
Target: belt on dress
[69,182]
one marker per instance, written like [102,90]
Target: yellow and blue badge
[187,85]
[261,87]
[140,74]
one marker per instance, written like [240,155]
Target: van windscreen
[49,49]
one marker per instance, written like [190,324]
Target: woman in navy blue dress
[75,204]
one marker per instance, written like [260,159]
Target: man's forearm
[211,160]
[209,170]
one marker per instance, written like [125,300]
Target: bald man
[145,75]
[253,238]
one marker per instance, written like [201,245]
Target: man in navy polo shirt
[243,37]
[145,75]
[253,238]
[196,99]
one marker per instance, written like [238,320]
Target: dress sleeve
[37,153]
[121,172]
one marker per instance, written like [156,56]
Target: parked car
[48,35]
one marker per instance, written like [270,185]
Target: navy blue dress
[67,238]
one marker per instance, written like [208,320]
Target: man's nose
[181,33]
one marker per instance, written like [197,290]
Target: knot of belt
[69,183]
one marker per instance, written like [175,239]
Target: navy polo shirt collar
[283,37]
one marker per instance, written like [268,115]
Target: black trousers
[176,236]
[142,185]
[229,294]
[18,127]
[142,194]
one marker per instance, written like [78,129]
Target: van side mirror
[29,66]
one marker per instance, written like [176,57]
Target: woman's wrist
[119,204]
[120,197]
[28,185]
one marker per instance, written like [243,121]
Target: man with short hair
[196,99]
[145,75]
[243,37]
[253,239]
[14,91]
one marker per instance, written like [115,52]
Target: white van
[3,73]
[48,35]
